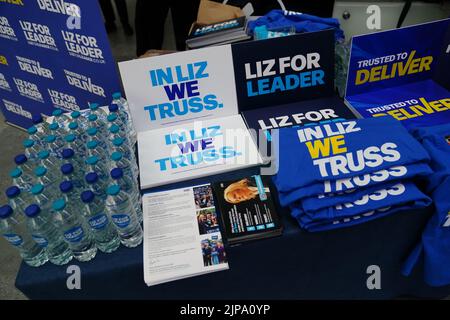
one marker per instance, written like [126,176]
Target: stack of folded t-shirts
[344,173]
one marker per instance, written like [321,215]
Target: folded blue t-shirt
[436,140]
[301,21]
[435,245]
[365,181]
[309,155]
[391,198]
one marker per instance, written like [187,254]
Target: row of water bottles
[75,190]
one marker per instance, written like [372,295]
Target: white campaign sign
[195,149]
[181,87]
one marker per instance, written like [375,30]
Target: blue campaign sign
[53,54]
[402,73]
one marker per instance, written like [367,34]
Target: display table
[296,265]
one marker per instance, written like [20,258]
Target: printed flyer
[181,235]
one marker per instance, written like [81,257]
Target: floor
[123,48]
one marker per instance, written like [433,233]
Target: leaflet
[181,235]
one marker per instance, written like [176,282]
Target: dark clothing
[150,18]
[108,11]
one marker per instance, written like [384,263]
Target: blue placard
[53,53]
[402,73]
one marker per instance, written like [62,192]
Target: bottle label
[98,221]
[41,241]
[13,238]
[74,234]
[121,220]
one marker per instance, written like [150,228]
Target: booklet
[195,150]
[181,235]
[228,31]
[247,209]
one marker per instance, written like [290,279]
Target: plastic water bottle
[14,229]
[122,103]
[54,143]
[60,117]
[17,199]
[40,124]
[43,197]
[129,168]
[94,134]
[129,187]
[125,120]
[122,214]
[70,193]
[70,173]
[56,129]
[46,177]
[94,149]
[34,134]
[96,185]
[69,155]
[99,112]
[31,148]
[95,121]
[47,160]
[75,129]
[20,179]
[116,132]
[75,143]
[46,235]
[69,221]
[93,164]
[22,162]
[120,146]
[103,231]
[77,116]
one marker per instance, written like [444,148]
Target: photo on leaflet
[207,221]
[203,197]
[213,251]
[447,138]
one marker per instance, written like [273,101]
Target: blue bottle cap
[92,117]
[67,168]
[87,196]
[118,141]
[37,189]
[116,156]
[92,160]
[66,186]
[92,131]
[73,125]
[116,173]
[67,153]
[32,210]
[5,211]
[50,138]
[114,128]
[57,112]
[44,154]
[92,144]
[113,107]
[15,173]
[40,171]
[75,114]
[32,130]
[113,190]
[116,95]
[91,177]
[12,192]
[93,106]
[27,143]
[70,137]
[59,204]
[111,117]
[37,118]
[20,159]
[54,126]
